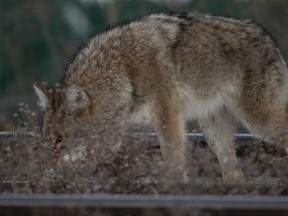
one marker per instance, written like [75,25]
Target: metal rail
[190,136]
[200,136]
[145,201]
[271,182]
[15,134]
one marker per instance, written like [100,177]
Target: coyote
[170,68]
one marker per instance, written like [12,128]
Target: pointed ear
[77,98]
[43,94]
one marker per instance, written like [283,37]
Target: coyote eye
[59,139]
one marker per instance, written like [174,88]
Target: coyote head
[64,112]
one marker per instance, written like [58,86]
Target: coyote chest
[196,106]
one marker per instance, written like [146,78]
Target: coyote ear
[77,98]
[43,94]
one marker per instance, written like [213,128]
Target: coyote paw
[234,177]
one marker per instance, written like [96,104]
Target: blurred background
[36,36]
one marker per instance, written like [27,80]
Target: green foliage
[134,9]
[96,15]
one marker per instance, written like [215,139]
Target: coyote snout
[169,69]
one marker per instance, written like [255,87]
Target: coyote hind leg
[218,129]
[269,124]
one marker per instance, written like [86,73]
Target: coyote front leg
[170,129]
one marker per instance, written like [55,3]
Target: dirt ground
[93,166]
[28,166]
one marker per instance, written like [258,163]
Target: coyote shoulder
[173,68]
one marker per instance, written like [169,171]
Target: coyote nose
[56,147]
